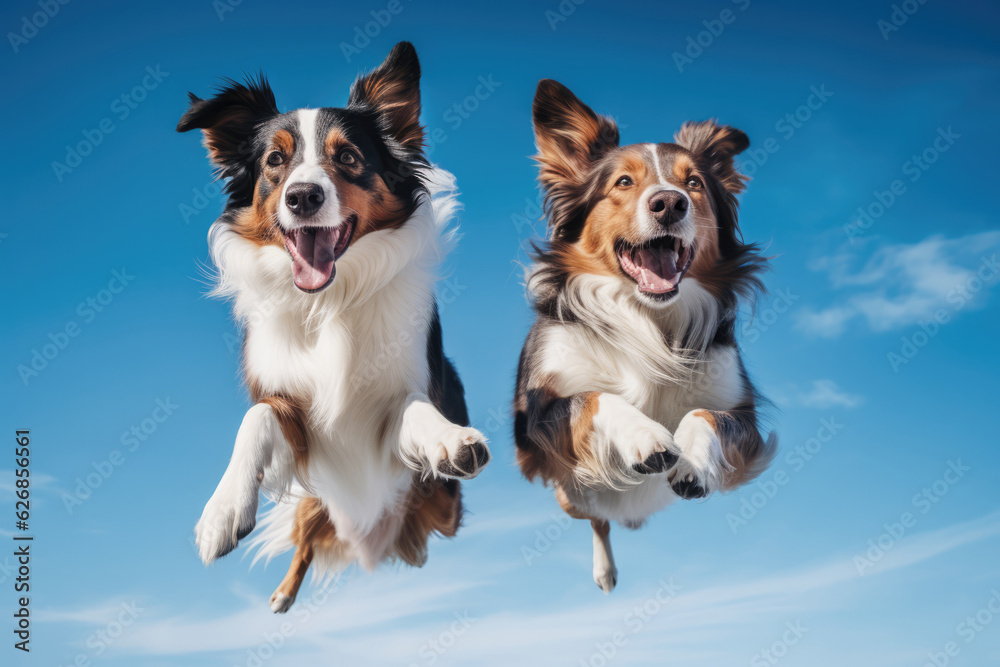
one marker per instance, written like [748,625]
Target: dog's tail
[747,458]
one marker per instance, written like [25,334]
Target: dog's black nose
[667,206]
[304,199]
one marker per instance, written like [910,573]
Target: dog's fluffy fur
[328,249]
[631,390]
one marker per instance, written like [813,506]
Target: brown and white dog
[329,247]
[630,389]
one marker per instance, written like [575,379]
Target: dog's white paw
[606,576]
[701,468]
[644,445]
[229,516]
[280,603]
[461,452]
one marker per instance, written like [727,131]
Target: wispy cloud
[38,481]
[899,285]
[388,623]
[826,394]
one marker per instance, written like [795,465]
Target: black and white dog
[631,390]
[329,248]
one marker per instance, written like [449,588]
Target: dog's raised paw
[466,456]
[656,462]
[688,486]
[229,516]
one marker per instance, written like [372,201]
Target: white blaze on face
[316,239]
[310,170]
[684,229]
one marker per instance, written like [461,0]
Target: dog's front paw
[462,453]
[229,516]
[644,445]
[701,467]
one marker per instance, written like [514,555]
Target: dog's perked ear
[715,146]
[228,122]
[392,90]
[569,135]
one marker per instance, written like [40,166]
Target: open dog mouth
[656,266]
[315,251]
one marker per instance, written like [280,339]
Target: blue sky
[871,540]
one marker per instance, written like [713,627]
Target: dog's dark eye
[347,156]
[275,158]
[694,183]
[624,182]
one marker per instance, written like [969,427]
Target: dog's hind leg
[605,572]
[284,595]
[313,530]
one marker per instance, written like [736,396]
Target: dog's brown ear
[715,146]
[569,135]
[393,90]
[228,121]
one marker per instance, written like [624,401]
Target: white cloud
[826,394]
[383,620]
[38,481]
[899,285]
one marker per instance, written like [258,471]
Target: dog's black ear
[715,146]
[228,122]
[392,90]
[568,134]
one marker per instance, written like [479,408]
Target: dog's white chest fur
[350,355]
[633,363]
[354,373]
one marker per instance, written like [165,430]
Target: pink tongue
[656,270]
[313,254]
